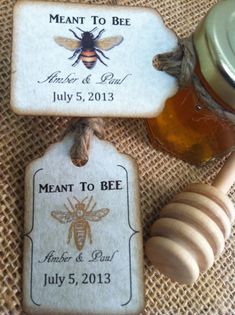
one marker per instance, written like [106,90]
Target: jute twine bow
[181,63]
[83,129]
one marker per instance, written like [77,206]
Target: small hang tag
[82,60]
[83,251]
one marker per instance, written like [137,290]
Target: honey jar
[188,127]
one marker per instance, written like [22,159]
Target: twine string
[181,63]
[83,129]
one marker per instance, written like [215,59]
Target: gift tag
[83,241]
[83,60]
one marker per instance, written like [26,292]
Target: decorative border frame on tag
[117,202]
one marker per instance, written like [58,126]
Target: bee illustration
[87,47]
[79,215]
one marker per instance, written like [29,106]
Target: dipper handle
[226,177]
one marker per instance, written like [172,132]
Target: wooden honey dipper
[193,227]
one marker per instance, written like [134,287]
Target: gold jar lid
[214,41]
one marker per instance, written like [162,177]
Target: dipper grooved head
[190,233]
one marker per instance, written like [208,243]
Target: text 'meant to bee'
[96,20]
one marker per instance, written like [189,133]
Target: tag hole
[156,63]
[78,162]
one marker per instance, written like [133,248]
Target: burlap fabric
[161,177]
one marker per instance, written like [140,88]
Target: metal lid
[214,42]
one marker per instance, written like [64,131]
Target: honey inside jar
[186,127]
[189,130]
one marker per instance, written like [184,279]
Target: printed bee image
[88,47]
[79,215]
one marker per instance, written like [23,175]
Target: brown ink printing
[78,216]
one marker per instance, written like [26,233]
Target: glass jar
[186,127]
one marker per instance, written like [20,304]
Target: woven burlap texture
[161,177]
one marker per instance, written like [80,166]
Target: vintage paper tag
[83,251]
[83,60]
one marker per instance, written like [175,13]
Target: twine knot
[83,129]
[181,63]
